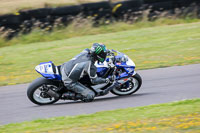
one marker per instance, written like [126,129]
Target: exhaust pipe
[53,94]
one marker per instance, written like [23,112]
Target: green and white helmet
[99,52]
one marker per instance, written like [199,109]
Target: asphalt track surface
[159,86]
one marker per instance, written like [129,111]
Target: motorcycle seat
[56,69]
[59,69]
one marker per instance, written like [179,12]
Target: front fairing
[102,68]
[129,70]
[122,61]
[126,64]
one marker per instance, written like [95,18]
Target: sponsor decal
[45,68]
[41,68]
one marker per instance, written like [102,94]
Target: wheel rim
[128,90]
[40,97]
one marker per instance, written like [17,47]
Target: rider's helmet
[99,52]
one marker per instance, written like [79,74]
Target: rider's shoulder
[87,50]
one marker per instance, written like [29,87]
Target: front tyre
[36,91]
[129,87]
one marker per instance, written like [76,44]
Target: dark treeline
[125,10]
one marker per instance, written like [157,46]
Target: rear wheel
[129,87]
[37,91]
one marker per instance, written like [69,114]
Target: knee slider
[89,95]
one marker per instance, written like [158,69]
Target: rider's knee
[89,97]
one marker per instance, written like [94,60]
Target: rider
[81,65]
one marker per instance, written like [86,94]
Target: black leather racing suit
[76,68]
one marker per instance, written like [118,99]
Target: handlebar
[110,52]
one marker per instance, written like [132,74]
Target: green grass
[182,116]
[152,47]
[83,27]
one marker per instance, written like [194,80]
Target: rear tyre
[130,88]
[36,93]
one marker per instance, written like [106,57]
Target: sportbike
[49,88]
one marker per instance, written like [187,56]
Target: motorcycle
[49,88]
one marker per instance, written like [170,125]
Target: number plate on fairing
[45,68]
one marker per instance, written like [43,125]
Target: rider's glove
[110,79]
[107,80]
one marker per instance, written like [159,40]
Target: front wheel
[129,87]
[37,91]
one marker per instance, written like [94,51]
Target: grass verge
[182,116]
[84,27]
[149,47]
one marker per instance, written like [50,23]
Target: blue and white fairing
[122,62]
[125,63]
[46,70]
[101,68]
